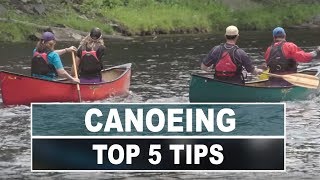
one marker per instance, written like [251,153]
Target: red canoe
[19,89]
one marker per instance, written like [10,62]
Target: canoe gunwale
[235,84]
[127,68]
[315,69]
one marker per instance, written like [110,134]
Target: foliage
[207,15]
[264,18]
[161,16]
[15,32]
[168,15]
[66,17]
[281,3]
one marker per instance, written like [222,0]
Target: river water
[161,73]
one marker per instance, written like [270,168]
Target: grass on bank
[167,16]
[11,32]
[160,16]
[267,18]
[69,18]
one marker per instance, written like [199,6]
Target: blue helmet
[278,32]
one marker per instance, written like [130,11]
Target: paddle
[264,75]
[76,75]
[299,79]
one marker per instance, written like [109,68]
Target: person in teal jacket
[46,62]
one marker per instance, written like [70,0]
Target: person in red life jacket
[64,50]
[46,63]
[228,59]
[282,57]
[89,57]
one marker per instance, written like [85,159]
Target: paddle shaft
[76,74]
[274,75]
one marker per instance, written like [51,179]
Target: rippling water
[161,73]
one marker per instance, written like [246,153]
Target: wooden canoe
[203,88]
[20,89]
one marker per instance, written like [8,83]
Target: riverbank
[71,19]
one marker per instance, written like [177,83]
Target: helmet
[278,32]
[95,33]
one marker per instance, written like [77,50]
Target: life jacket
[40,64]
[227,65]
[90,65]
[278,63]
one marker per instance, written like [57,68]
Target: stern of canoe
[118,83]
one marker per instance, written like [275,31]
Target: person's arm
[292,51]
[208,62]
[267,54]
[257,71]
[206,68]
[246,62]
[63,73]
[101,52]
[55,60]
[316,53]
[65,50]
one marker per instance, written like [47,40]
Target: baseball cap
[232,31]
[47,36]
[278,32]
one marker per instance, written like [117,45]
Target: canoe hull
[208,90]
[203,88]
[22,90]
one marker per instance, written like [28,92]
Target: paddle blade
[306,76]
[303,80]
[264,75]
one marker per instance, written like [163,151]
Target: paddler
[282,57]
[46,62]
[89,57]
[228,60]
